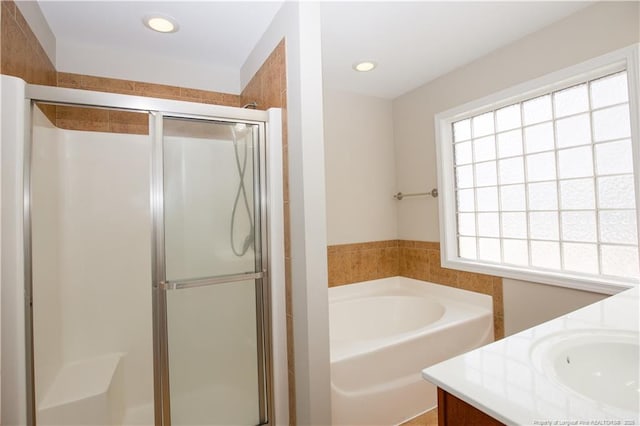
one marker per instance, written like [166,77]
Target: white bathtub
[384,332]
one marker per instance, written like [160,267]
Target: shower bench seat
[86,392]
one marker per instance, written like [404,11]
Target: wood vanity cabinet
[453,411]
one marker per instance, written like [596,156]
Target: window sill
[608,285]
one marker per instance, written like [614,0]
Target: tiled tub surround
[404,325]
[351,263]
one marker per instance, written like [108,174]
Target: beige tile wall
[350,263]
[138,88]
[268,88]
[21,54]
[100,120]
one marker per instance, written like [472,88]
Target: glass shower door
[212,286]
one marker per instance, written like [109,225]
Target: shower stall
[148,261]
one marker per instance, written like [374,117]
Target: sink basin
[597,364]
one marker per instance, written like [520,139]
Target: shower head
[239,131]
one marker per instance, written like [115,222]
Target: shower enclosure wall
[153,294]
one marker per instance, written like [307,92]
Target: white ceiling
[416,42]
[219,32]
[412,42]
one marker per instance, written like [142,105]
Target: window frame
[622,59]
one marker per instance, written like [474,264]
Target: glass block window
[548,183]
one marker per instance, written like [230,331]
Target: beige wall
[591,32]
[360,170]
[528,304]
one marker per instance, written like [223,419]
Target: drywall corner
[299,25]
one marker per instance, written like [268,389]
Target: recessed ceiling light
[161,23]
[364,66]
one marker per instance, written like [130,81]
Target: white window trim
[628,58]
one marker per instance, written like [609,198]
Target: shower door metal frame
[260,275]
[157,109]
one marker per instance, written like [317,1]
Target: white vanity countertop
[504,380]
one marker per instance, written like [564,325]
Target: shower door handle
[205,282]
